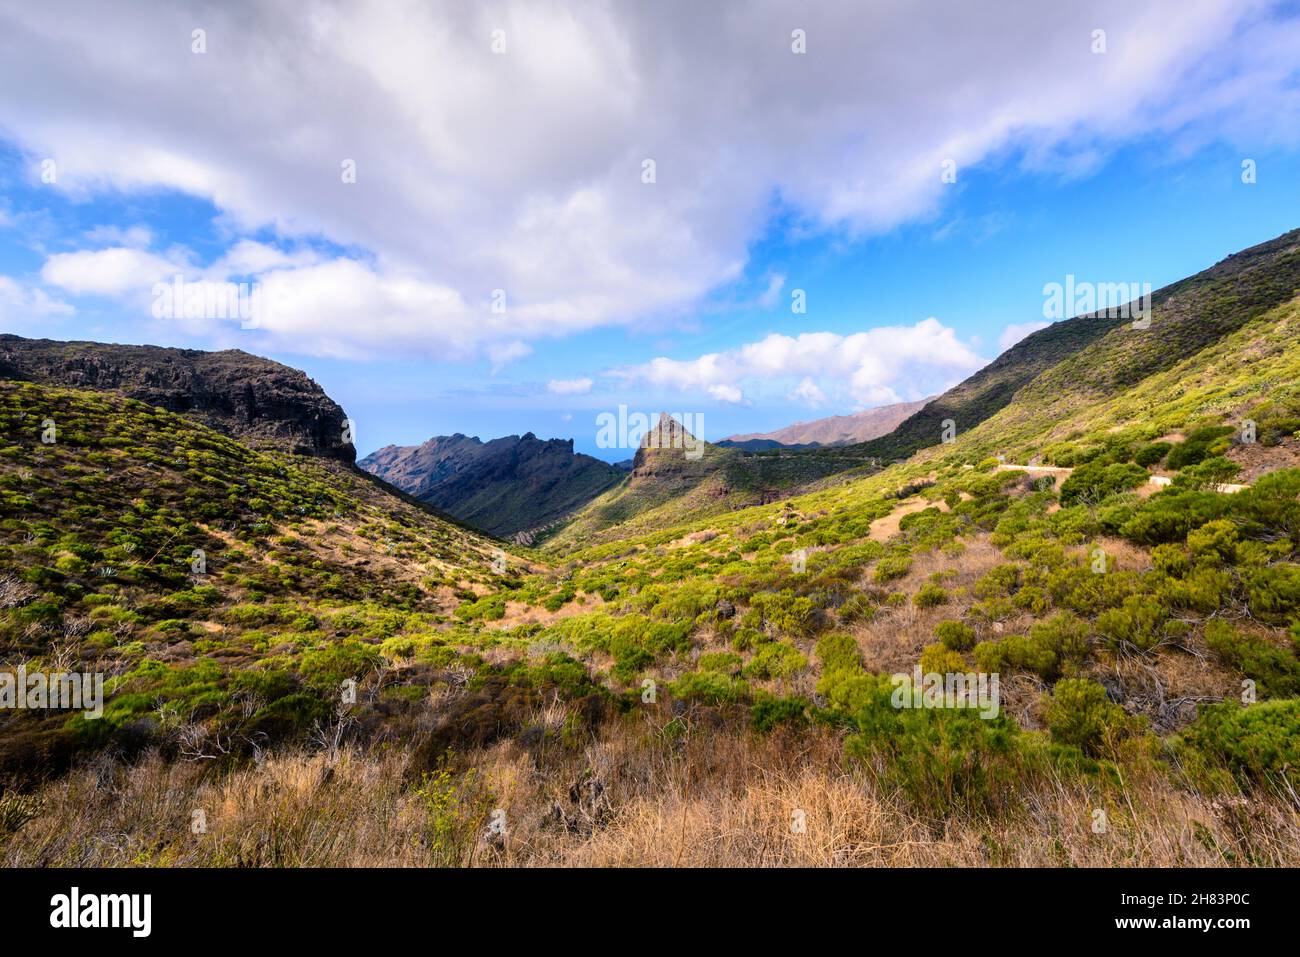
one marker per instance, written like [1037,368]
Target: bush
[1168,516]
[1214,542]
[326,668]
[769,711]
[998,582]
[1259,743]
[723,662]
[1138,622]
[945,760]
[955,635]
[1199,445]
[1171,560]
[1207,474]
[796,616]
[1079,714]
[1151,454]
[930,595]
[892,567]
[709,687]
[1052,648]
[857,608]
[1091,483]
[936,659]
[1275,670]
[1270,508]
[1274,592]
[1201,590]
[775,659]
[839,652]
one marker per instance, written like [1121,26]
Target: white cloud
[19,301]
[808,392]
[116,271]
[869,366]
[569,386]
[1017,331]
[521,171]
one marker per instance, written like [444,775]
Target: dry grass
[637,795]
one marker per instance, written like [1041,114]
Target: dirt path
[882,529]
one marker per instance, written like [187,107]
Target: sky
[518,215]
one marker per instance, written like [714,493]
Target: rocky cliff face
[506,486]
[250,398]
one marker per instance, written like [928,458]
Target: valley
[696,652]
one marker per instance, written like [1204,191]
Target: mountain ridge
[505,486]
[232,391]
[834,429]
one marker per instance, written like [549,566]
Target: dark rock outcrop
[505,486]
[247,397]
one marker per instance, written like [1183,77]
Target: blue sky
[792,174]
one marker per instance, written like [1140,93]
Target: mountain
[508,486]
[676,477]
[717,639]
[1186,315]
[180,561]
[833,430]
[245,396]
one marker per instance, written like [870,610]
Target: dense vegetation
[1142,614]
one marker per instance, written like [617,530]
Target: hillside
[1187,315]
[710,646]
[832,430]
[212,582]
[505,486]
[251,398]
[666,486]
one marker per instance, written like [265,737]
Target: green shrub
[776,659]
[838,651]
[785,612]
[955,635]
[1274,592]
[930,595]
[892,567]
[1275,670]
[1079,714]
[723,662]
[1270,508]
[1259,743]
[858,608]
[1199,445]
[938,660]
[1151,454]
[1091,483]
[1052,647]
[709,687]
[998,582]
[1168,516]
[1203,590]
[1138,622]
[944,760]
[768,711]
[1207,474]
[1171,560]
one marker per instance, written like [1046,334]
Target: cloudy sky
[499,217]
